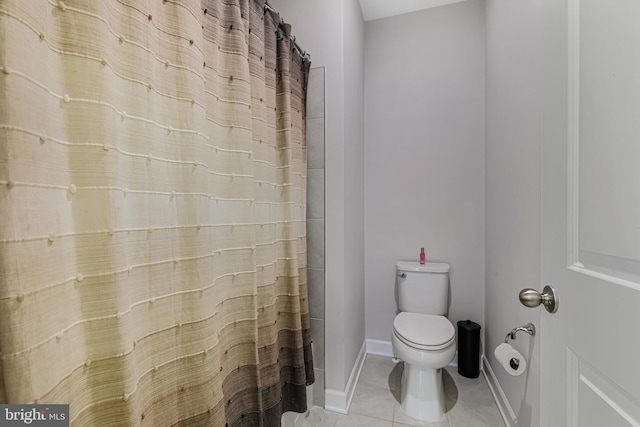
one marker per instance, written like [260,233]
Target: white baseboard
[379,347]
[454,362]
[339,400]
[506,411]
[335,401]
[384,348]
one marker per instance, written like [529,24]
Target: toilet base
[422,393]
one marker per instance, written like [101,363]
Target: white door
[590,78]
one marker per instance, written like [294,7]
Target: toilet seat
[424,331]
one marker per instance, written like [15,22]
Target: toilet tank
[422,288]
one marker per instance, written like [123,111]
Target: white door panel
[604,113]
[590,349]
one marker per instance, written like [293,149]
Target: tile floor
[376,401]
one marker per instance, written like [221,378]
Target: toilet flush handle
[402,275]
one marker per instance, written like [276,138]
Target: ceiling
[376,9]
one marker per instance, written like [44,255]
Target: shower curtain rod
[305,55]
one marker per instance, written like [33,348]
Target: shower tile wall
[315,222]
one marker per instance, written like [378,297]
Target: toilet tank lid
[427,267]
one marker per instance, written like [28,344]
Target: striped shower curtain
[152,212]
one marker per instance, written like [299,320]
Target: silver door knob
[532,298]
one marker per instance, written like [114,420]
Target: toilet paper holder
[528,328]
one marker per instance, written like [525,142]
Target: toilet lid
[426,331]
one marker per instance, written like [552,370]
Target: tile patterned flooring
[469,402]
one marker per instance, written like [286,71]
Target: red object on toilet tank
[422,256]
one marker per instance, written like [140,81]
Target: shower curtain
[152,213]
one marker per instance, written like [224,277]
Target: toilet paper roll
[511,360]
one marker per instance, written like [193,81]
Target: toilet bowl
[426,344]
[423,338]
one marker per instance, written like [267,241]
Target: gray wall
[332,31]
[424,157]
[427,174]
[354,278]
[513,193]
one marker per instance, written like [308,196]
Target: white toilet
[423,338]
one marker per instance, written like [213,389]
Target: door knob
[532,298]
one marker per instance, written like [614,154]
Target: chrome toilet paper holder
[528,328]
